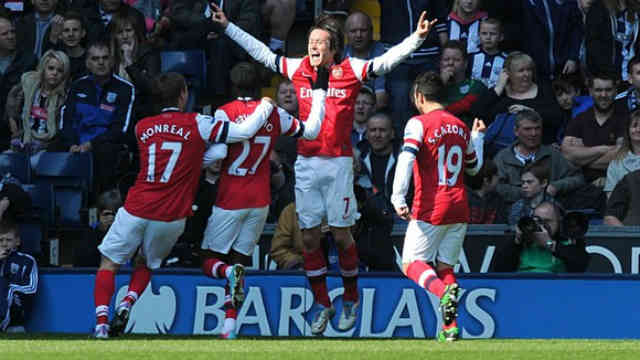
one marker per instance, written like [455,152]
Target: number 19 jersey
[171,147]
[245,174]
[442,144]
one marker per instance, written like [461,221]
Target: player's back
[440,196]
[245,173]
[171,150]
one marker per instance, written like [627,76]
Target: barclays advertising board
[280,304]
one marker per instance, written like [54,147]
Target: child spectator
[463,23]
[630,99]
[485,204]
[571,103]
[486,64]
[534,181]
[18,280]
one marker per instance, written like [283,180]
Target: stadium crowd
[556,82]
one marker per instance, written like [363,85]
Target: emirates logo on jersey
[337,72]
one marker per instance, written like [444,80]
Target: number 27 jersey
[443,148]
[245,174]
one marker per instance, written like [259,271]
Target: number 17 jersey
[443,148]
[171,147]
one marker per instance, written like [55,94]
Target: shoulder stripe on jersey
[410,149]
[413,142]
[300,131]
[224,132]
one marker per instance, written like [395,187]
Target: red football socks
[215,268]
[348,259]
[139,280]
[426,277]
[102,292]
[316,268]
[447,276]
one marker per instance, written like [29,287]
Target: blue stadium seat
[192,64]
[17,164]
[43,202]
[71,175]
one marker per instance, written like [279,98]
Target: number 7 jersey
[171,146]
[245,174]
[443,148]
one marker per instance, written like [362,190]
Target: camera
[528,225]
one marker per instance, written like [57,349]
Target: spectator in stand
[151,9]
[567,91]
[97,114]
[564,179]
[282,185]
[33,106]
[630,99]
[628,156]
[611,36]
[14,62]
[460,92]
[18,280]
[135,60]
[546,249]
[375,247]
[86,252]
[71,41]
[463,23]
[584,6]
[35,28]
[533,190]
[99,17]
[279,16]
[486,64]
[365,107]
[594,138]
[396,23]
[286,146]
[623,206]
[486,205]
[360,44]
[188,27]
[550,31]
[15,203]
[286,244]
[517,90]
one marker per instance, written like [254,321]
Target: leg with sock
[102,292]
[449,330]
[137,284]
[231,313]
[348,259]
[425,276]
[316,268]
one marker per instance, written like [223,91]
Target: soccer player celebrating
[171,147]
[437,149]
[244,194]
[324,172]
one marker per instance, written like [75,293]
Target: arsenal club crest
[337,72]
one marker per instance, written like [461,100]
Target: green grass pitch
[187,348]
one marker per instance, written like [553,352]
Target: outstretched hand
[218,16]
[424,25]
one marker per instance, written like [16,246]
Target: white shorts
[129,232]
[324,189]
[238,229]
[427,242]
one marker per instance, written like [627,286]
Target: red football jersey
[345,80]
[171,147]
[443,148]
[245,174]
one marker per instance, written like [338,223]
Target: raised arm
[475,149]
[253,123]
[254,47]
[395,55]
